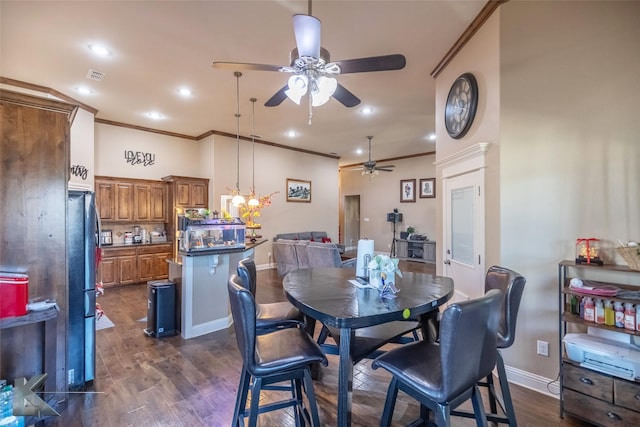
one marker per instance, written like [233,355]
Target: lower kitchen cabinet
[126,266]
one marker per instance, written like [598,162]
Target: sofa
[293,254]
[313,236]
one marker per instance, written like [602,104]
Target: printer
[620,359]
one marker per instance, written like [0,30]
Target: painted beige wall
[569,147]
[557,105]
[381,194]
[82,150]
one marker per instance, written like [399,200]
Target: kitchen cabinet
[187,192]
[150,202]
[34,147]
[131,200]
[416,250]
[184,192]
[611,400]
[134,264]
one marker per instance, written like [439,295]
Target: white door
[464,234]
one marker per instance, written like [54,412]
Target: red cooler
[14,294]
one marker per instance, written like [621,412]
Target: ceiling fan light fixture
[298,84]
[307,32]
[322,89]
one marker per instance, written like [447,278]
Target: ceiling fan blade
[373,63]
[236,66]
[345,97]
[307,31]
[277,99]
[383,169]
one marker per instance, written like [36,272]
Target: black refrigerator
[82,238]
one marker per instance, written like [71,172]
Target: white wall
[381,194]
[82,150]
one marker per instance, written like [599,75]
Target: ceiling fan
[311,69]
[370,168]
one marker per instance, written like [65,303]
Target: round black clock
[462,102]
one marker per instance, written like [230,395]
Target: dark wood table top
[326,295]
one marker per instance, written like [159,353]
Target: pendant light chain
[253,201]
[238,199]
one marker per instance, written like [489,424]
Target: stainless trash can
[161,308]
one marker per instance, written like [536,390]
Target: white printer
[613,357]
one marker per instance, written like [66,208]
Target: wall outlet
[543,348]
[71,376]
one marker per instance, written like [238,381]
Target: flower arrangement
[250,213]
[385,264]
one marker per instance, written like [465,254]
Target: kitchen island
[201,278]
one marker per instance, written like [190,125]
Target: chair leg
[443,416]
[241,398]
[298,409]
[478,409]
[492,394]
[324,333]
[390,403]
[506,394]
[255,402]
[311,397]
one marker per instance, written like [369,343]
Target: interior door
[351,221]
[464,234]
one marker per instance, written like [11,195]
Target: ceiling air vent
[95,75]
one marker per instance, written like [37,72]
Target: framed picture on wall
[298,190]
[428,188]
[407,190]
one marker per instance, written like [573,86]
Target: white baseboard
[550,387]
[265,266]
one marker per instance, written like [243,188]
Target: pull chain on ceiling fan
[313,73]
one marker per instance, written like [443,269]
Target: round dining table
[335,298]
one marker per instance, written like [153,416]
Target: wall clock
[462,102]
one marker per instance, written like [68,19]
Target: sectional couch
[292,251]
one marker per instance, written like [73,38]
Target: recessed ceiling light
[155,115]
[432,137]
[100,50]
[359,151]
[291,133]
[184,91]
[83,90]
[367,110]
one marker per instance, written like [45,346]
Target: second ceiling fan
[311,69]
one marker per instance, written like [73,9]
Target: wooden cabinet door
[124,201]
[160,266]
[158,205]
[146,267]
[199,195]
[106,200]
[142,202]
[107,272]
[127,269]
[183,194]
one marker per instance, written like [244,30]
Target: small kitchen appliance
[106,238]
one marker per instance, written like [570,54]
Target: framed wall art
[298,190]
[428,188]
[407,190]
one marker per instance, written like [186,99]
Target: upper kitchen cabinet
[188,192]
[131,200]
[150,202]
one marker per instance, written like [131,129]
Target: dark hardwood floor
[144,381]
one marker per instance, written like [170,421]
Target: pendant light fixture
[252,198]
[238,199]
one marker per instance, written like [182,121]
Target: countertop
[133,245]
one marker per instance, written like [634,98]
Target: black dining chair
[443,375]
[283,355]
[512,286]
[269,316]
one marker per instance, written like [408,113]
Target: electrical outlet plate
[543,348]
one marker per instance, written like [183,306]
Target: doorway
[351,222]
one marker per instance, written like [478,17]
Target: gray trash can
[161,308]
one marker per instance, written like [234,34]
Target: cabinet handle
[637,397]
[586,381]
[614,416]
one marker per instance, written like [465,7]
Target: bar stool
[272,315]
[282,355]
[443,375]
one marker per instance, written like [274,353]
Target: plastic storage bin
[14,294]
